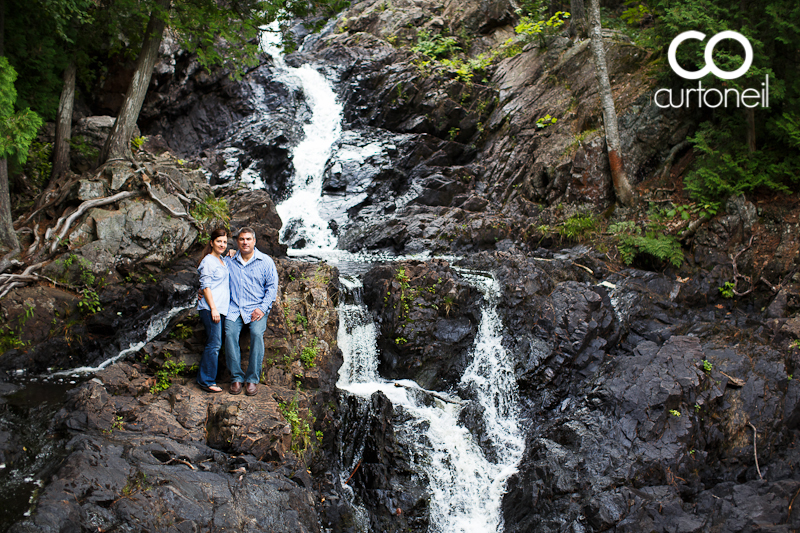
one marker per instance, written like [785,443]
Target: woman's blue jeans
[207,375]
[233,355]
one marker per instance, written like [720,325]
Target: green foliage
[39,166]
[435,46]
[578,227]
[137,143]
[89,303]
[181,331]
[726,291]
[529,28]
[301,320]
[636,12]
[545,121]
[707,366]
[674,412]
[304,438]
[725,165]
[631,242]
[727,168]
[17,129]
[9,339]
[308,356]
[210,213]
[115,424]
[80,145]
[136,483]
[164,375]
[400,341]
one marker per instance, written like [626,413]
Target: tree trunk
[64,123]
[750,115]
[117,145]
[8,237]
[622,187]
[577,25]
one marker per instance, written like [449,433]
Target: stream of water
[465,485]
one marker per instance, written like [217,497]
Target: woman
[213,306]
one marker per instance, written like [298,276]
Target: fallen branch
[85,206]
[789,516]
[354,473]
[735,382]
[667,167]
[430,393]
[693,226]
[176,460]
[755,451]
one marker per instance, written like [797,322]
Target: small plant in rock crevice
[301,422]
[308,355]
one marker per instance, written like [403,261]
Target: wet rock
[255,209]
[428,319]
[156,484]
[381,470]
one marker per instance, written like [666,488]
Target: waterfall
[302,223]
[466,487]
[465,482]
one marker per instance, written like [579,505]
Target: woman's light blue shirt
[214,275]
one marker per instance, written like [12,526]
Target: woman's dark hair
[219,232]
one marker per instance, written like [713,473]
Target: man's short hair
[247,229]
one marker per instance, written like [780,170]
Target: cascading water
[465,486]
[300,211]
[465,483]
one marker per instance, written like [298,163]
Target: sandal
[210,388]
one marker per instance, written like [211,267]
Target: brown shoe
[250,389]
[236,387]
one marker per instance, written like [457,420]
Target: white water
[154,328]
[300,211]
[466,488]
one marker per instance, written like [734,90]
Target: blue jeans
[233,355]
[207,375]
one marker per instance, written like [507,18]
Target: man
[254,286]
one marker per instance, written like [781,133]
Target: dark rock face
[428,319]
[382,474]
[255,209]
[639,410]
[157,484]
[238,130]
[62,337]
[182,459]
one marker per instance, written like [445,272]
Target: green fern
[631,242]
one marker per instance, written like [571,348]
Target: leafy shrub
[631,242]
[435,46]
[308,356]
[304,438]
[726,167]
[578,227]
[210,213]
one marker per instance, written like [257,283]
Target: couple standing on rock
[237,291]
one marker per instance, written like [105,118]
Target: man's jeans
[207,375]
[234,357]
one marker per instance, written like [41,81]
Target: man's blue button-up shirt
[254,285]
